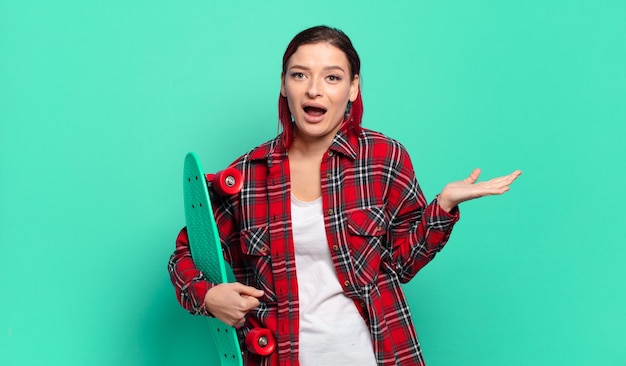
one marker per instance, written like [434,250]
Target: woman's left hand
[467,189]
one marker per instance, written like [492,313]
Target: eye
[297,75]
[334,78]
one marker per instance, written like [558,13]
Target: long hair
[338,39]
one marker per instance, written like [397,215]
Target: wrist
[445,203]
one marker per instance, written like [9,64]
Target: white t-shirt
[332,332]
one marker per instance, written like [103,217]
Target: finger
[516,174]
[250,303]
[473,177]
[248,290]
[496,183]
[490,190]
[511,177]
[237,322]
[505,179]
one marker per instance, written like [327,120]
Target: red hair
[338,39]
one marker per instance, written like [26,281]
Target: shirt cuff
[440,219]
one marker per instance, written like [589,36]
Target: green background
[101,100]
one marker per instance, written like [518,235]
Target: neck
[303,147]
[311,146]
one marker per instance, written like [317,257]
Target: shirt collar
[345,142]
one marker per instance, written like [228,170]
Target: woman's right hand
[230,302]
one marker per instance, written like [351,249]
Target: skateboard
[206,251]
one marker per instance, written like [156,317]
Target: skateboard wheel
[260,341]
[226,182]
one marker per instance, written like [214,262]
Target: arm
[417,232]
[189,283]
[228,302]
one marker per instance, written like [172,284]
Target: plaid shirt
[380,233]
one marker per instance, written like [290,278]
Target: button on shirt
[380,232]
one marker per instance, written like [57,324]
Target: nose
[313,89]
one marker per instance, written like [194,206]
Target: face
[318,86]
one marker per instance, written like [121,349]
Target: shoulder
[261,152]
[386,157]
[379,144]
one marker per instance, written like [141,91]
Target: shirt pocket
[367,228]
[255,247]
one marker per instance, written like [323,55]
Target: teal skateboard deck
[206,251]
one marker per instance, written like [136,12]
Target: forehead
[319,55]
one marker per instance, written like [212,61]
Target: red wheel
[260,341]
[226,182]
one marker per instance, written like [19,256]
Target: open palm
[467,189]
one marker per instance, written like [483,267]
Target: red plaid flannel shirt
[380,233]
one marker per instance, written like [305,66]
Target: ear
[354,88]
[283,90]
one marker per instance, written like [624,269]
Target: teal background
[100,101]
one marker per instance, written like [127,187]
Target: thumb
[473,177]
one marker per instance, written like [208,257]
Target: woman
[330,222]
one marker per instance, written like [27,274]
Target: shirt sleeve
[417,230]
[189,282]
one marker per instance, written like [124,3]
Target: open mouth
[314,111]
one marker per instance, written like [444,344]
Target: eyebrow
[325,68]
